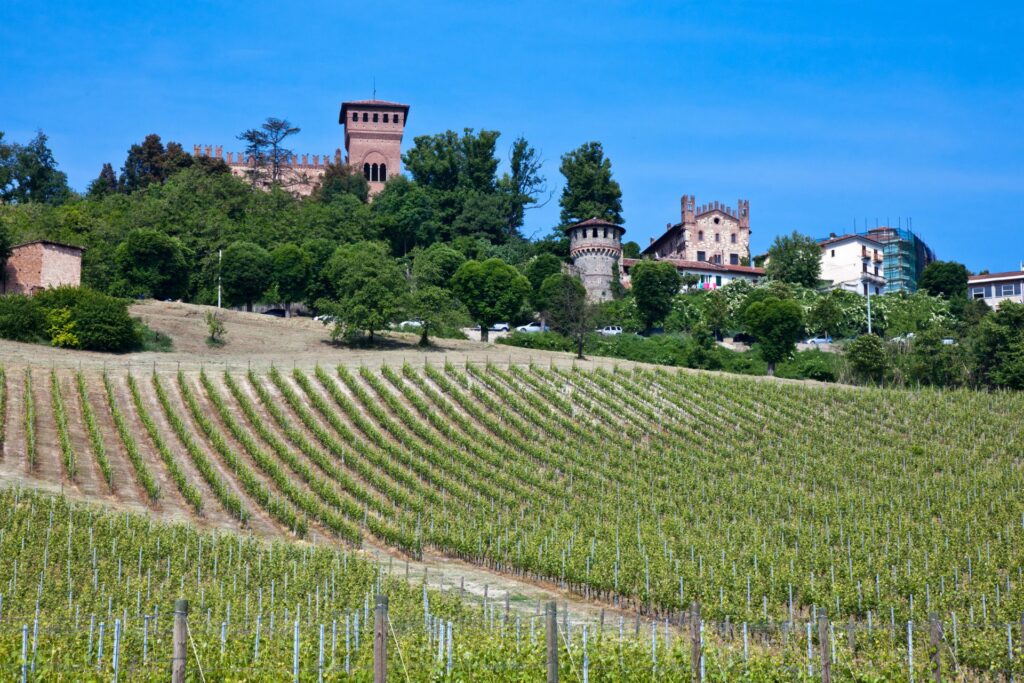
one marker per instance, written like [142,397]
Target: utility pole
[220,261]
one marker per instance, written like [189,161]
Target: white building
[853,263]
[995,288]
[710,275]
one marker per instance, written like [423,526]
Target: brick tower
[373,138]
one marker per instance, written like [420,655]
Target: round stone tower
[595,247]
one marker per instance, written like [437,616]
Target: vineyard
[642,490]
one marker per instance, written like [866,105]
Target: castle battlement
[304,161]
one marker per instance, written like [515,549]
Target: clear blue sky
[819,113]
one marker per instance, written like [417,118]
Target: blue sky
[825,115]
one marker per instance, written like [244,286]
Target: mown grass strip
[60,417]
[30,420]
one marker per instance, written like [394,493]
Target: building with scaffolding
[905,255]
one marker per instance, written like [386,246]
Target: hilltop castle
[373,145]
[713,232]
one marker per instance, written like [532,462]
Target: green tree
[289,273]
[794,258]
[537,270]
[369,289]
[104,184]
[404,215]
[151,264]
[266,147]
[715,312]
[318,252]
[491,290]
[565,308]
[630,249]
[826,316]
[28,173]
[435,265]
[866,354]
[998,348]
[433,306]
[590,191]
[523,185]
[245,273]
[777,324]
[654,284]
[947,279]
[339,180]
[150,162]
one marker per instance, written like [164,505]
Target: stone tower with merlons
[373,138]
[595,249]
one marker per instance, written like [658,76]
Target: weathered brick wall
[37,266]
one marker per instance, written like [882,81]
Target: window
[1006,290]
[383,172]
[385,118]
[700,235]
[977,292]
[833,253]
[718,237]
[700,255]
[876,270]
[864,266]
[717,220]
[375,117]
[866,289]
[606,233]
[734,259]
[594,233]
[398,118]
[373,173]
[733,238]
[876,290]
[718,280]
[366,117]
[366,171]
[355,116]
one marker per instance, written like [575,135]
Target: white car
[820,339]
[410,323]
[532,327]
[499,327]
[610,330]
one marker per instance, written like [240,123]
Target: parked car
[326,319]
[499,327]
[532,327]
[904,338]
[609,330]
[820,339]
[948,341]
[410,323]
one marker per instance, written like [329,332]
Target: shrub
[21,318]
[866,354]
[812,364]
[546,341]
[102,323]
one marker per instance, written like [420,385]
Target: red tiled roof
[996,276]
[593,222]
[702,265]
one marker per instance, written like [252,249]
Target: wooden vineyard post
[552,641]
[380,640]
[178,651]
[695,641]
[824,645]
[935,636]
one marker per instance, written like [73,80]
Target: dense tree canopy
[947,279]
[777,324]
[590,191]
[492,291]
[245,273]
[368,289]
[654,284]
[794,258]
[28,173]
[151,264]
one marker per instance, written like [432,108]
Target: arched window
[366,117]
[734,238]
[383,170]
[718,237]
[366,171]
[373,173]
[700,235]
[375,117]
